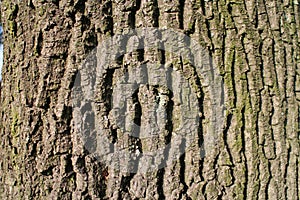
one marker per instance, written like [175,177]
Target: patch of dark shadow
[107,25]
[203,190]
[160,183]
[33,150]
[162,56]
[30,4]
[48,171]
[221,193]
[243,129]
[200,131]
[137,108]
[228,124]
[120,57]
[229,8]
[298,120]
[135,144]
[46,104]
[113,137]
[244,151]
[15,150]
[137,4]
[182,148]
[141,53]
[131,19]
[125,184]
[106,7]
[13,12]
[89,122]
[202,6]
[59,56]
[49,189]
[155,91]
[108,90]
[233,79]
[90,41]
[225,139]
[71,14]
[69,165]
[155,14]
[256,19]
[75,81]
[80,165]
[201,150]
[88,131]
[86,23]
[80,6]
[55,2]
[67,114]
[72,179]
[88,48]
[215,164]
[181,14]
[169,124]
[39,43]
[101,181]
[1,37]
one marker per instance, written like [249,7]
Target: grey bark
[255,46]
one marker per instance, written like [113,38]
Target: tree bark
[253,44]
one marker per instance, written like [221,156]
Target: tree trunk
[253,45]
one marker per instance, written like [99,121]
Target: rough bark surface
[254,44]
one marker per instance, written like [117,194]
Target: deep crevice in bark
[160,181]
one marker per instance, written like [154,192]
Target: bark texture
[255,46]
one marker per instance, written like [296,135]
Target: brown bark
[254,45]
